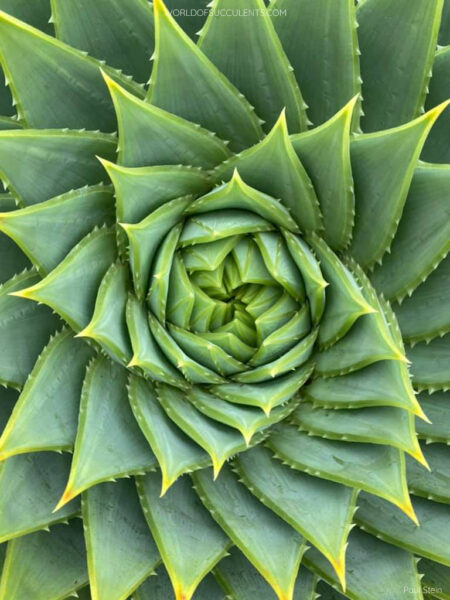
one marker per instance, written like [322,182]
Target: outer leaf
[109,443]
[423,316]
[429,368]
[436,576]
[160,588]
[397,41]
[253,528]
[25,328]
[46,73]
[266,80]
[382,519]
[188,540]
[178,59]
[13,259]
[377,469]
[381,190]
[320,41]
[29,485]
[436,148]
[280,488]
[435,483]
[176,453]
[325,153]
[376,570]
[40,420]
[437,408]
[112,31]
[45,565]
[121,556]
[141,190]
[8,398]
[422,238]
[35,13]
[108,325]
[25,156]
[151,136]
[71,288]
[65,220]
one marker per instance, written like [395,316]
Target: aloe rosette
[225,329]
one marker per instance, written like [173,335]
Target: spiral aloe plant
[225,330]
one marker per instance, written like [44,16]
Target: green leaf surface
[55,85]
[266,394]
[382,519]
[45,565]
[109,444]
[437,408]
[175,451]
[108,325]
[36,13]
[189,541]
[25,156]
[429,364]
[324,514]
[397,41]
[71,288]
[425,314]
[435,483]
[422,238]
[29,485]
[325,153]
[219,441]
[384,383]
[147,354]
[378,425]
[265,79]
[6,101]
[436,147]
[160,588]
[13,259]
[253,528]
[121,556]
[151,136]
[320,41]
[183,77]
[381,188]
[25,328]
[139,191]
[344,302]
[375,570]
[121,34]
[435,576]
[377,469]
[40,420]
[146,236]
[8,398]
[65,220]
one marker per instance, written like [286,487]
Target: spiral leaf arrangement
[203,317]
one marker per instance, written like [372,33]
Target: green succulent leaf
[436,576]
[160,588]
[119,448]
[35,13]
[119,558]
[65,219]
[375,570]
[45,565]
[26,154]
[437,407]
[178,59]
[175,451]
[397,42]
[423,233]
[390,524]
[13,259]
[316,55]
[380,192]
[429,364]
[248,69]
[28,486]
[103,29]
[434,483]
[40,421]
[253,528]
[19,349]
[377,469]
[436,147]
[189,541]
